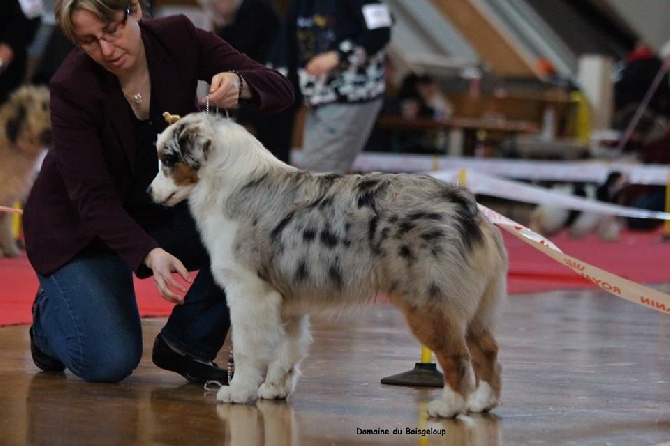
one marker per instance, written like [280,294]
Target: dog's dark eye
[170,160]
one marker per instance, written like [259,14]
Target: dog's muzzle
[153,197]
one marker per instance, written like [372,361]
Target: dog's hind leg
[484,348]
[446,338]
[256,333]
[283,372]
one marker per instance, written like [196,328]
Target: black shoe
[193,370]
[42,360]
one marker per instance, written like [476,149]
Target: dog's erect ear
[194,144]
[206,147]
[13,125]
[198,152]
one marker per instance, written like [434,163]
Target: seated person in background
[421,97]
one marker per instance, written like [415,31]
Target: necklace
[137,98]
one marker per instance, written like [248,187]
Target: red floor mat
[18,285]
[640,257]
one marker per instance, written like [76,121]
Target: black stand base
[423,375]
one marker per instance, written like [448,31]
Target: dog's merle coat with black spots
[285,242]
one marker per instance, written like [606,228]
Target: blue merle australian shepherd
[285,243]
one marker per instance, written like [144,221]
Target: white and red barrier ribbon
[618,286]
[481,183]
[589,171]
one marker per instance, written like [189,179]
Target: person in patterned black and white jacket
[335,48]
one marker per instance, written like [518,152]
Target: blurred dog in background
[548,220]
[25,132]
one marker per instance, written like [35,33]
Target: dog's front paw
[9,251]
[482,399]
[269,391]
[451,405]
[236,394]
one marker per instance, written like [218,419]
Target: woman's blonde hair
[104,10]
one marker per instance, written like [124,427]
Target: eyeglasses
[110,34]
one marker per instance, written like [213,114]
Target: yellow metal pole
[426,355]
[16,222]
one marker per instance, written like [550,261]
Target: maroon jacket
[78,194]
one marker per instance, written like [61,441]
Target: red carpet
[18,285]
[640,257]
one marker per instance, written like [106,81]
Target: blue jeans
[86,313]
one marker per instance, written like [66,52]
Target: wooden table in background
[456,127]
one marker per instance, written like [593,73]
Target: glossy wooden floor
[580,368]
